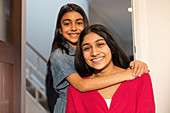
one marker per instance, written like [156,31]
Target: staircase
[36,101]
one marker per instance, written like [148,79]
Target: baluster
[38,63]
[30,71]
[36,95]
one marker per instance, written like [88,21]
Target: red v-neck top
[135,96]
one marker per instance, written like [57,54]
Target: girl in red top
[98,54]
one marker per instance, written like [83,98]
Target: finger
[135,69]
[147,71]
[141,72]
[132,64]
[146,65]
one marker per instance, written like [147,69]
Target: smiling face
[71,26]
[96,52]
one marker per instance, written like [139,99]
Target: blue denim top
[62,65]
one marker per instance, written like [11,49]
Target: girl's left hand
[139,68]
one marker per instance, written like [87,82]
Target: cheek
[81,28]
[108,52]
[86,56]
[64,29]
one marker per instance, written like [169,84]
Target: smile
[98,59]
[74,35]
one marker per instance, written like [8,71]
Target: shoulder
[57,52]
[139,82]
[143,81]
[145,77]
[57,57]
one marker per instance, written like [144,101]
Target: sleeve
[62,65]
[145,96]
[70,107]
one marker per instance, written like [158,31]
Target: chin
[74,41]
[98,69]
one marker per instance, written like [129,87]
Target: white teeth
[73,34]
[97,59]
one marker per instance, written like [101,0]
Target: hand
[127,74]
[139,68]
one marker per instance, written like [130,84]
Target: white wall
[152,28]
[41,18]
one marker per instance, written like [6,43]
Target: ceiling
[115,15]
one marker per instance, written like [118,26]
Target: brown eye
[100,44]
[66,24]
[79,23]
[86,48]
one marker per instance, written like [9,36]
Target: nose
[73,27]
[94,52]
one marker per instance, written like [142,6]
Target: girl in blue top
[70,22]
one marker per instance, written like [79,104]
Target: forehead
[73,15]
[92,37]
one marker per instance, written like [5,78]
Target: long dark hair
[59,42]
[119,57]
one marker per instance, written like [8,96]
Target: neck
[109,71]
[73,45]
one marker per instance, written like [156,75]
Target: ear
[60,31]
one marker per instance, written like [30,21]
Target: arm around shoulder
[89,84]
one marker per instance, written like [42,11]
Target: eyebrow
[95,41]
[70,20]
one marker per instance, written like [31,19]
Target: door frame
[139,30]
[23,58]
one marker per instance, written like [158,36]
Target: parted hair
[119,57]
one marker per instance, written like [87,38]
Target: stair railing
[33,69]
